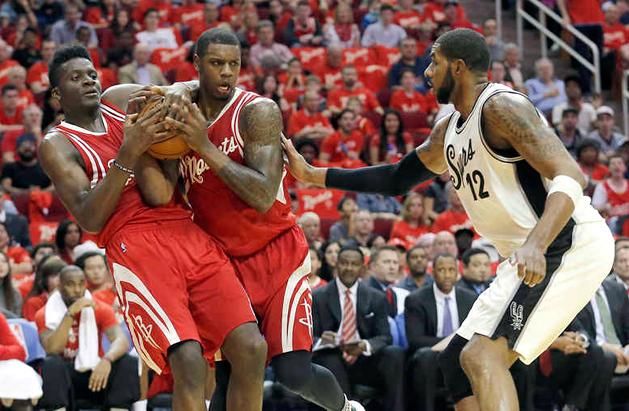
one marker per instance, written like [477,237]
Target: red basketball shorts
[175,284]
[276,280]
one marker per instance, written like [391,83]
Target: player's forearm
[117,349]
[557,212]
[253,187]
[156,180]
[55,342]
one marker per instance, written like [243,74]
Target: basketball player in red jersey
[236,189]
[178,290]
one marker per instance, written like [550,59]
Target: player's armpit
[430,152]
[511,121]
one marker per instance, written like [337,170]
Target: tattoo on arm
[257,182]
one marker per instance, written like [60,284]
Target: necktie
[447,319]
[606,319]
[348,331]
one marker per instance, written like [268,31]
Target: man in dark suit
[384,272]
[352,334]
[432,314]
[476,270]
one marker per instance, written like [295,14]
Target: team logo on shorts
[308,320]
[517,316]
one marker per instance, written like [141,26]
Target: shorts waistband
[147,227]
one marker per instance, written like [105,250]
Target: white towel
[87,356]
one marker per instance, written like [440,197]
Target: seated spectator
[21,385]
[210,20]
[64,31]
[277,54]
[32,122]
[434,11]
[164,8]
[620,270]
[568,132]
[330,73]
[408,17]
[10,113]
[436,197]
[96,272]
[409,60]
[303,30]
[100,16]
[363,125]
[346,144]
[37,74]
[361,232]
[330,253]
[37,254]
[309,122]
[10,298]
[292,82]
[384,274]
[268,87]
[52,114]
[445,243]
[417,263]
[247,76]
[545,91]
[608,139]
[315,267]
[495,44]
[17,77]
[279,16]
[72,326]
[340,230]
[247,31]
[15,223]
[409,100]
[19,260]
[6,61]
[585,110]
[476,270]
[454,20]
[391,143]
[308,149]
[338,97]
[26,173]
[310,223]
[27,51]
[380,206]
[46,281]
[154,36]
[385,32]
[454,217]
[356,347]
[67,237]
[141,71]
[411,226]
[432,316]
[342,31]
[591,167]
[611,197]
[122,23]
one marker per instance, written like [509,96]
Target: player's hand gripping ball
[170,149]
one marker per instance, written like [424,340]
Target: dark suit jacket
[463,283]
[420,312]
[371,314]
[17,227]
[618,307]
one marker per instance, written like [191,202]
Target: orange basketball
[171,149]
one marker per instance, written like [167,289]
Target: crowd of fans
[348,76]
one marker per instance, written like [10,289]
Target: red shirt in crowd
[403,230]
[190,16]
[585,11]
[409,19]
[411,103]
[4,70]
[615,36]
[435,12]
[164,9]
[25,99]
[105,319]
[392,152]
[10,347]
[15,119]
[33,304]
[452,221]
[337,98]
[38,73]
[301,119]
[341,148]
[598,172]
[330,76]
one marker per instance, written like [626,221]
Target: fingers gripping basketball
[171,148]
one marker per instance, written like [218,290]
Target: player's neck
[88,120]
[466,94]
[211,107]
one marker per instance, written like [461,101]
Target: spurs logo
[145,330]
[517,316]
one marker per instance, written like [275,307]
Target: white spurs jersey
[501,192]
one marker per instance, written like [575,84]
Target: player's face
[417,260]
[96,270]
[445,274]
[78,84]
[478,268]
[218,70]
[72,287]
[350,267]
[439,76]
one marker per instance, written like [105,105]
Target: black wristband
[389,179]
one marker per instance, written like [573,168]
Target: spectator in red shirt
[17,77]
[209,21]
[588,159]
[10,298]
[411,226]
[611,196]
[37,75]
[409,100]
[10,113]
[246,77]
[46,281]
[19,259]
[455,217]
[280,18]
[101,15]
[164,10]
[435,11]
[5,61]
[67,237]
[32,118]
[27,49]
[364,125]
[38,253]
[342,31]
[303,30]
[292,82]
[615,36]
[337,98]
[66,337]
[455,20]
[345,144]
[309,121]
[330,72]
[392,142]
[408,17]
[188,15]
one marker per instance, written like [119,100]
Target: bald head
[310,223]
[142,53]
[445,243]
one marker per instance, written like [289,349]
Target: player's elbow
[264,204]
[157,199]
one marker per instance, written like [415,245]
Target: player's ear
[458,67]
[195,61]
[54,93]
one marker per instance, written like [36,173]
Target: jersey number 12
[476,182]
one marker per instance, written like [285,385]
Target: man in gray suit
[140,71]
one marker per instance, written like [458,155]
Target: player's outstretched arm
[511,121]
[425,162]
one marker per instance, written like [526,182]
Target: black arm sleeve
[390,179]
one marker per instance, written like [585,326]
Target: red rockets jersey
[98,151]
[239,228]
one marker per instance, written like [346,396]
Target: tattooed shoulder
[261,121]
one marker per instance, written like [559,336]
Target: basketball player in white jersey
[523,192]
